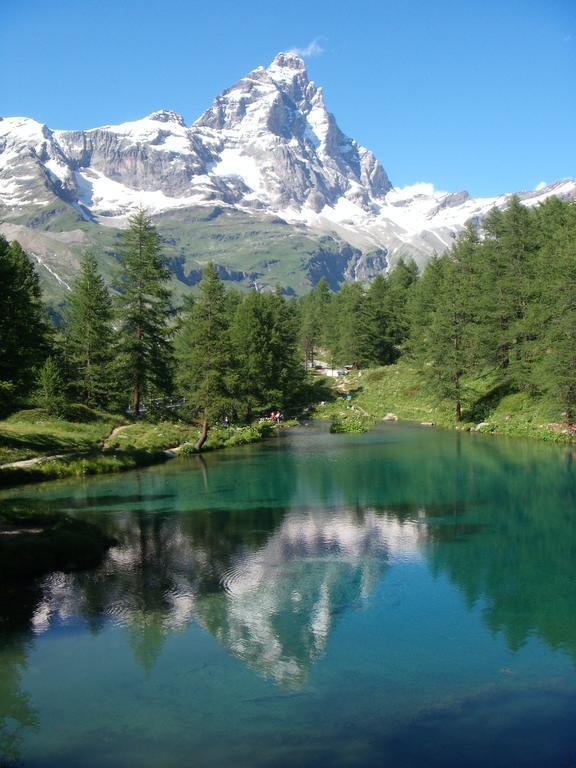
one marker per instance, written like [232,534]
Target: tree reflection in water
[269,575]
[271,597]
[16,711]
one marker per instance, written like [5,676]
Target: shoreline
[396,393]
[150,446]
[392,393]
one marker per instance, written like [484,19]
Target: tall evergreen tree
[24,333]
[508,261]
[353,345]
[400,281]
[331,327]
[265,334]
[314,318]
[206,371]
[144,309]
[51,387]
[449,352]
[555,309]
[422,305]
[381,327]
[89,335]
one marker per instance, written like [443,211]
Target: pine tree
[353,346]
[400,280]
[508,258]
[89,335]
[265,333]
[554,310]
[380,327]
[144,310]
[313,319]
[206,369]
[24,333]
[51,387]
[450,349]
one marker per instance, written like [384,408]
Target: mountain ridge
[267,148]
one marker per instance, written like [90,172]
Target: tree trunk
[458,411]
[456,380]
[137,383]
[203,435]
[136,399]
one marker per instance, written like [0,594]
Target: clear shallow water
[402,598]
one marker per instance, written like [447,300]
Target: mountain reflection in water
[272,606]
[425,574]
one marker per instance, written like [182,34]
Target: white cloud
[312,49]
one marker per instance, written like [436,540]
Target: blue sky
[466,94]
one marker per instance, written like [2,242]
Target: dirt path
[38,460]
[112,434]
[25,463]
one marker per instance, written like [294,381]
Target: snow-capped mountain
[267,143]
[267,146]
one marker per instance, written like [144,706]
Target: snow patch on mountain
[164,130]
[233,162]
[268,145]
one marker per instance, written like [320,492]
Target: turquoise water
[401,598]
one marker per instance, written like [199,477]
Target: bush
[349,424]
[246,435]
[222,437]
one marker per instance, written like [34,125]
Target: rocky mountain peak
[167,116]
[266,146]
[289,75]
[289,60]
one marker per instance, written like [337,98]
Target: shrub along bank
[401,391]
[92,442]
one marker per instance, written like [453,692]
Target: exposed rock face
[267,145]
[275,120]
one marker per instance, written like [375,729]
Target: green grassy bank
[32,432]
[90,442]
[401,390]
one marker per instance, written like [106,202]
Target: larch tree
[507,273]
[555,367]
[265,335]
[89,335]
[401,280]
[144,309]
[451,343]
[206,372]
[313,318]
[422,305]
[353,341]
[23,328]
[380,325]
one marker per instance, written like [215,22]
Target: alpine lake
[403,598]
